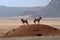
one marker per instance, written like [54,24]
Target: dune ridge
[33,30]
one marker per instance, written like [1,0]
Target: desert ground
[33,38]
[9,23]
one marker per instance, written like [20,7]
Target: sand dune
[33,30]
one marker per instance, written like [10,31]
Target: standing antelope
[24,21]
[37,19]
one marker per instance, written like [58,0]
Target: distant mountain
[52,9]
[17,11]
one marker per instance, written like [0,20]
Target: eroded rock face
[52,9]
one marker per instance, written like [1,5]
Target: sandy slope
[33,30]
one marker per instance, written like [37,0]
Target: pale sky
[24,3]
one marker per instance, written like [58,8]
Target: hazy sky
[24,3]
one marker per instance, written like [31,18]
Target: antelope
[24,21]
[37,19]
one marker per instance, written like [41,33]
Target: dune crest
[33,30]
